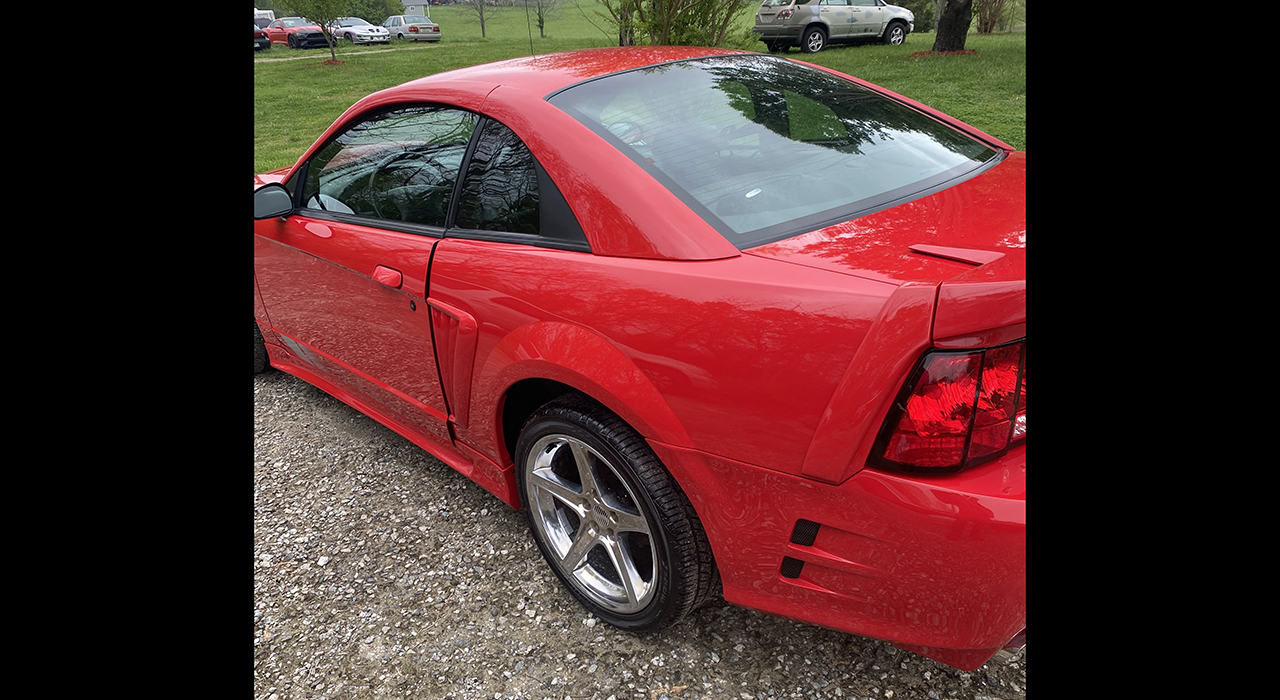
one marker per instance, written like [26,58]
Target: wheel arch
[826,29]
[545,360]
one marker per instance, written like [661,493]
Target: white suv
[812,24]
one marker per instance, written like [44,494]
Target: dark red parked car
[712,318]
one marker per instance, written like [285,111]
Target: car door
[868,16]
[275,32]
[344,278]
[511,227]
[836,14]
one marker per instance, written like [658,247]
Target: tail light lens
[957,409]
[413,30]
[785,14]
[435,30]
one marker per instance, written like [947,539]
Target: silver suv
[812,24]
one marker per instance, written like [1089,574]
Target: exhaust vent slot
[791,567]
[805,533]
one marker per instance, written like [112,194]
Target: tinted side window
[399,165]
[500,192]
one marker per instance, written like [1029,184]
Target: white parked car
[812,24]
[414,27]
[358,31]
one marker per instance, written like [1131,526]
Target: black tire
[259,350]
[292,44]
[399,37]
[815,40]
[896,34]
[348,38]
[627,488]
[777,47]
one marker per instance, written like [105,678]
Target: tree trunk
[953,25]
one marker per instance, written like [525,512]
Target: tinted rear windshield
[764,149]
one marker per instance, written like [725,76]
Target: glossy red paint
[279,34]
[938,564]
[759,377]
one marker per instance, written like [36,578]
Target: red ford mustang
[711,317]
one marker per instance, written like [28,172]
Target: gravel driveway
[380,572]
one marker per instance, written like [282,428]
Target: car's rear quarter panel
[744,353]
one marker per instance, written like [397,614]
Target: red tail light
[436,30]
[413,30]
[785,14]
[958,409]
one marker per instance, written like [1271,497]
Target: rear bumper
[936,565]
[778,33]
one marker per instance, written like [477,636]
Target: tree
[543,11]
[621,16]
[953,25]
[990,12]
[323,13]
[374,11]
[675,22]
[483,9]
[924,12]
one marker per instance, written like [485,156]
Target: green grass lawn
[294,101]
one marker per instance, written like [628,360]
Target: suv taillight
[958,409]
[785,14]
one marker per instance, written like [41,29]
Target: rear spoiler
[985,306]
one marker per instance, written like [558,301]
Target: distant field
[296,100]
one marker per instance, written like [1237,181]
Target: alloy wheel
[592,523]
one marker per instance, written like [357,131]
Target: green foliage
[374,11]
[923,10]
[676,22]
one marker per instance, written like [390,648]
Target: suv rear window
[764,149]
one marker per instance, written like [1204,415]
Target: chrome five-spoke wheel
[588,516]
[609,518]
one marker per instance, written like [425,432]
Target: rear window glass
[764,149]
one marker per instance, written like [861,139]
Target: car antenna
[528,24]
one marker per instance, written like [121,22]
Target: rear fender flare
[579,358]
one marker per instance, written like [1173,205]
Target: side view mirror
[270,201]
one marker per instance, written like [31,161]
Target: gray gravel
[380,572]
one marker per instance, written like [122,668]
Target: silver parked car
[358,31]
[414,27]
[812,24]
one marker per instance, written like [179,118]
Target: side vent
[791,567]
[805,533]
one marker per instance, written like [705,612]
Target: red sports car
[712,318]
[296,33]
